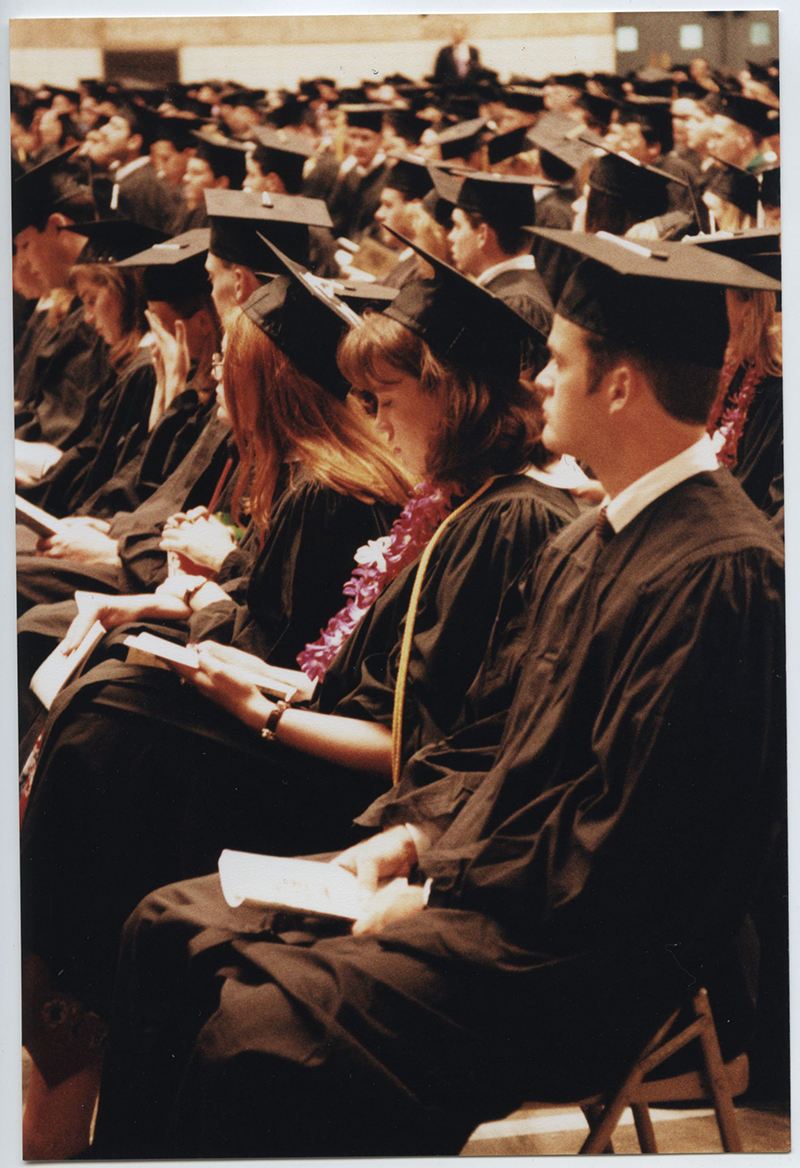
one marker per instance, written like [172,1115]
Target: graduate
[543,918]
[221,771]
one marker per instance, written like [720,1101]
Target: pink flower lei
[379,562]
[729,417]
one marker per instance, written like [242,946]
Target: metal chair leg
[644,1127]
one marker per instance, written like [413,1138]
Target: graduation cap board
[305,319]
[462,139]
[410,176]
[667,301]
[110,240]
[642,187]
[759,248]
[237,217]
[734,185]
[366,116]
[462,321]
[280,154]
[44,189]
[224,156]
[498,198]
[174,268]
[562,137]
[762,119]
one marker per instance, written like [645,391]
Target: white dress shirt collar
[520,263]
[628,503]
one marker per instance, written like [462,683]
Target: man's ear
[56,222]
[222,183]
[135,144]
[482,232]
[622,387]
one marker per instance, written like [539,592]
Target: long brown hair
[278,414]
[759,342]
[489,425]
[128,285]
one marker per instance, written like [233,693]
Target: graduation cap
[691,89]
[363,294]
[498,198]
[641,188]
[305,319]
[241,96]
[503,146]
[291,112]
[762,73]
[654,117]
[51,186]
[174,268]
[225,156]
[366,116]
[282,154]
[460,320]
[759,248]
[395,79]
[668,300]
[172,128]
[528,99]
[407,124]
[762,119]
[238,216]
[110,240]
[734,185]
[353,95]
[561,136]
[410,176]
[569,80]
[599,106]
[463,139]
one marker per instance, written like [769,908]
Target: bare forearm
[364,746]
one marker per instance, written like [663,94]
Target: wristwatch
[269,730]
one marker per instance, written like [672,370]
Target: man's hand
[390,853]
[397,900]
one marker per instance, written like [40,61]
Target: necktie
[602,529]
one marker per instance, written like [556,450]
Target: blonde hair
[279,414]
[759,342]
[127,285]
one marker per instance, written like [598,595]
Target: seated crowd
[434,429]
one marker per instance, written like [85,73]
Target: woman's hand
[394,902]
[204,541]
[110,611]
[171,359]
[388,854]
[85,544]
[217,681]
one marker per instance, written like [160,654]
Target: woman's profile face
[407,418]
[102,309]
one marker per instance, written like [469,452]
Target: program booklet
[148,649]
[307,886]
[29,515]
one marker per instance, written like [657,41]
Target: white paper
[56,670]
[308,886]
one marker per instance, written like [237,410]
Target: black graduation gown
[355,199]
[590,879]
[119,432]
[61,381]
[231,788]
[143,564]
[169,442]
[526,293]
[759,458]
[156,750]
[145,198]
[555,264]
